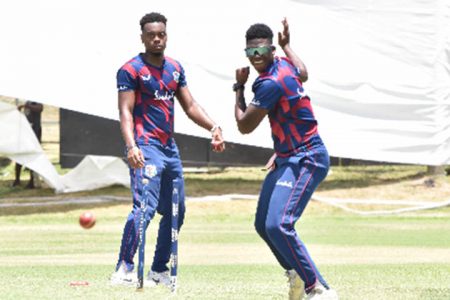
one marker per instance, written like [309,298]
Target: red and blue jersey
[280,91]
[155,89]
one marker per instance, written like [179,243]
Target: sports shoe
[296,285]
[319,292]
[123,277]
[158,278]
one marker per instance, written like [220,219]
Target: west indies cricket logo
[150,171]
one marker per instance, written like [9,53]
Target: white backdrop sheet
[95,172]
[19,143]
[379,70]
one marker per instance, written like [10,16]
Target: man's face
[154,37]
[260,53]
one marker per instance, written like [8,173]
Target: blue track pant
[153,184]
[284,196]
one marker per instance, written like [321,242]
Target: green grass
[407,256]
[221,256]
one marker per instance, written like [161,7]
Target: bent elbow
[244,129]
[304,77]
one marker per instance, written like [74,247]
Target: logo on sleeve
[301,92]
[122,87]
[176,76]
[255,102]
[146,77]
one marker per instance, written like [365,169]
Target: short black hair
[151,18]
[259,31]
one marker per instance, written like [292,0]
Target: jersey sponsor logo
[146,77]
[150,171]
[284,183]
[255,102]
[168,96]
[176,76]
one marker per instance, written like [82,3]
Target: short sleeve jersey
[155,89]
[280,91]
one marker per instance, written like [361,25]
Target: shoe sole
[154,282]
[123,283]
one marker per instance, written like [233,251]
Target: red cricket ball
[87,220]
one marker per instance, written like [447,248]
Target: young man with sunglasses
[147,87]
[300,161]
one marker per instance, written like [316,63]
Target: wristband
[214,128]
[130,147]
[238,86]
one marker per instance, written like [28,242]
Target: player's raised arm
[284,42]
[247,118]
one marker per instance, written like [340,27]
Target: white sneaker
[158,278]
[123,277]
[319,292]
[296,285]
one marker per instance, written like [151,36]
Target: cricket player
[300,162]
[147,87]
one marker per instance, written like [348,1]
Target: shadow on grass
[28,210]
[42,196]
[7,191]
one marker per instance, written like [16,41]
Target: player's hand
[217,142]
[135,158]
[242,75]
[284,36]
[270,165]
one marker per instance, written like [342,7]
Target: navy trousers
[285,193]
[153,184]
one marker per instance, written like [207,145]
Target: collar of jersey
[141,55]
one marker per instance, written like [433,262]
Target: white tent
[379,70]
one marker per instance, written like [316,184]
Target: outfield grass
[221,256]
